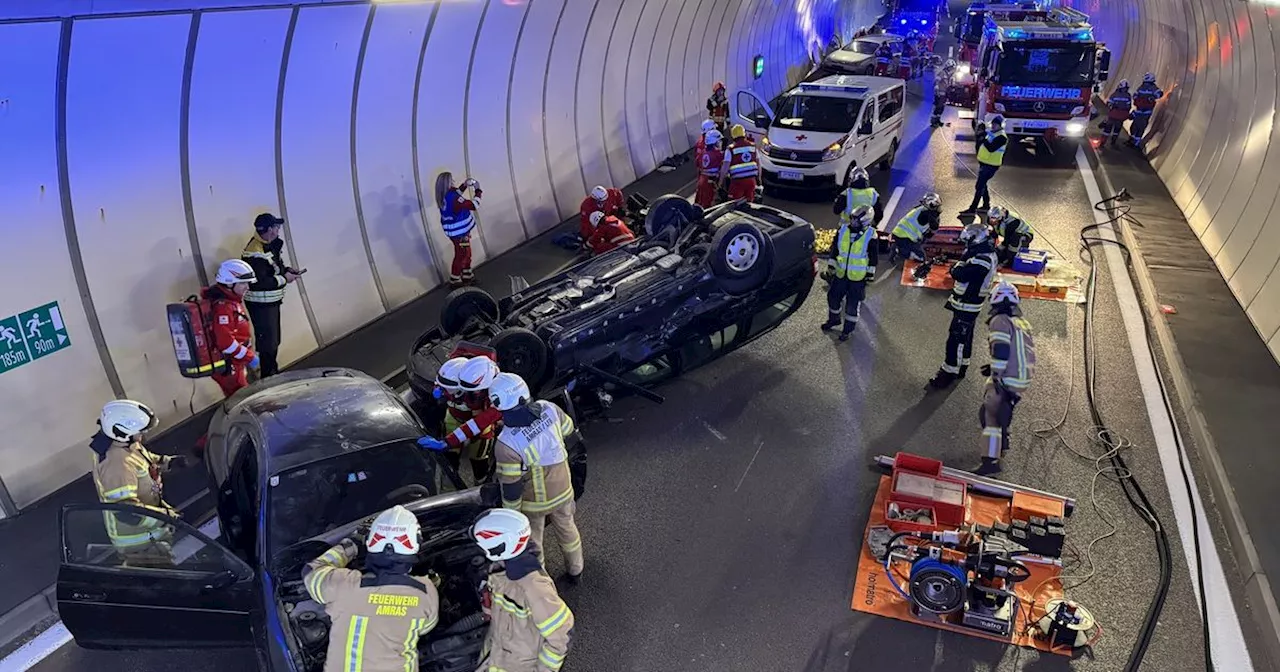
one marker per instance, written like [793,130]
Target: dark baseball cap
[267,220]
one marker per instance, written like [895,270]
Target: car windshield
[312,499]
[819,114]
[862,47]
[1065,65]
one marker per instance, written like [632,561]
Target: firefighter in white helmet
[125,472]
[377,614]
[474,378]
[533,465]
[232,329]
[531,626]
[1013,362]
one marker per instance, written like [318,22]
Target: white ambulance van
[812,136]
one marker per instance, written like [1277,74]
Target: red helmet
[719,86]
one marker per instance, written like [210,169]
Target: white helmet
[931,201]
[123,419]
[858,173]
[501,533]
[950,64]
[708,126]
[396,530]
[599,193]
[1149,78]
[235,271]
[997,213]
[714,137]
[596,218]
[1124,84]
[509,391]
[477,374]
[860,216]
[447,376]
[975,233]
[1005,291]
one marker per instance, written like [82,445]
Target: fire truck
[1040,75]
[970,29]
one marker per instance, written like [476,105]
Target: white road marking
[30,654]
[713,431]
[1229,651]
[888,209]
[753,461]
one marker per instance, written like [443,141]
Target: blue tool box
[1031,261]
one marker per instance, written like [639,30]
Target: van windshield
[819,114]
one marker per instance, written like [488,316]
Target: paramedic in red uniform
[610,201]
[458,217]
[231,326]
[609,233]
[710,162]
[707,127]
[884,59]
[740,167]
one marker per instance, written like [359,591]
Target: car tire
[741,258]
[523,353]
[464,304]
[886,164]
[671,210]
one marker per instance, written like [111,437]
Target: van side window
[891,103]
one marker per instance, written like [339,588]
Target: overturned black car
[696,286]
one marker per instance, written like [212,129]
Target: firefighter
[1119,109]
[533,466]
[231,325]
[458,217]
[851,266]
[718,106]
[610,201]
[884,59]
[125,472]
[710,162]
[740,167]
[1013,362]
[917,225]
[608,233]
[973,275]
[530,627]
[464,383]
[1144,104]
[1014,233]
[991,149]
[858,193]
[265,254]
[377,615]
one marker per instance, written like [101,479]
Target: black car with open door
[297,462]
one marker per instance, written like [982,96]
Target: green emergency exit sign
[32,334]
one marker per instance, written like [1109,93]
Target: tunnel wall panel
[182,125]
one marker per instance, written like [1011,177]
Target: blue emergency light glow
[904,22]
[757,67]
[1039,92]
[924,22]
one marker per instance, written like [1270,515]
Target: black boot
[831,323]
[482,470]
[963,370]
[989,466]
[942,379]
[844,334]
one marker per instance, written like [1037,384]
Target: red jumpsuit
[613,204]
[458,218]
[741,167]
[609,234]
[231,336]
[710,162]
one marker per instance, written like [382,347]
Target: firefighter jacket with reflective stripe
[531,626]
[614,201]
[1013,351]
[267,261]
[741,160]
[1144,99]
[854,254]
[1119,105]
[991,148]
[373,628]
[479,426]
[718,108]
[841,206]
[973,275]
[231,327]
[458,214]
[131,474]
[533,466]
[609,234]
[916,222]
[1013,231]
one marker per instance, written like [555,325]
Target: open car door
[752,112]
[132,578]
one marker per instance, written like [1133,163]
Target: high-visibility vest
[856,198]
[1021,228]
[851,257]
[456,224]
[991,158]
[742,161]
[909,226]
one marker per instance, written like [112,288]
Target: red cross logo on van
[801,138]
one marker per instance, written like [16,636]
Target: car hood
[803,140]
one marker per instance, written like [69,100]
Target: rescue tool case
[918,483]
[192,345]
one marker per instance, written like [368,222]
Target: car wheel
[887,163]
[464,304]
[671,210]
[741,257]
[523,353]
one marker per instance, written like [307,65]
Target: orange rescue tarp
[1058,282]
[873,594]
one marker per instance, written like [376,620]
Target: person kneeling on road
[608,233]
[610,201]
[918,225]
[125,472]
[377,616]
[232,327]
[1014,233]
[851,266]
[973,275]
[532,628]
[1013,362]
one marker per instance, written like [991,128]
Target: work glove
[479,193]
[472,183]
[255,362]
[986,370]
[437,393]
[871,276]
[432,443]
